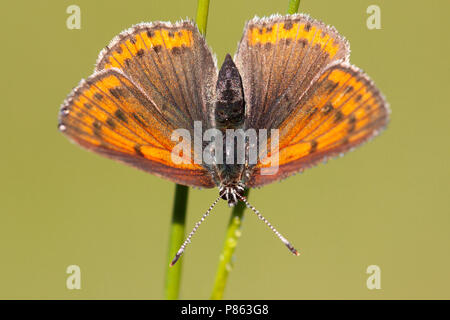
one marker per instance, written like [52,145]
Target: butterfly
[290,74]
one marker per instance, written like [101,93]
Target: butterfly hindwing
[341,110]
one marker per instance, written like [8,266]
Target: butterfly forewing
[172,64]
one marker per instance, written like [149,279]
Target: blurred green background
[387,203]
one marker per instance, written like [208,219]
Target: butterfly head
[232,193]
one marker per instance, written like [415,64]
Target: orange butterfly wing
[297,79]
[278,58]
[143,89]
[341,110]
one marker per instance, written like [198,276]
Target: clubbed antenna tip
[260,216]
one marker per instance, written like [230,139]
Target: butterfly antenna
[188,239]
[283,239]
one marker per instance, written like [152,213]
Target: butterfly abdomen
[230,107]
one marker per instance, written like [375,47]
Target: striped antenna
[283,239]
[188,239]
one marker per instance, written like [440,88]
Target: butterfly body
[229,114]
[230,105]
[290,79]
[290,73]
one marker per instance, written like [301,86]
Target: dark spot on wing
[133,40]
[116,92]
[137,149]
[288,25]
[138,119]
[110,122]
[150,34]
[307,27]
[338,116]
[140,53]
[127,62]
[98,96]
[348,89]
[97,124]
[330,86]
[358,97]
[313,146]
[157,48]
[327,108]
[351,123]
[97,128]
[176,50]
[120,115]
[87,106]
[312,112]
